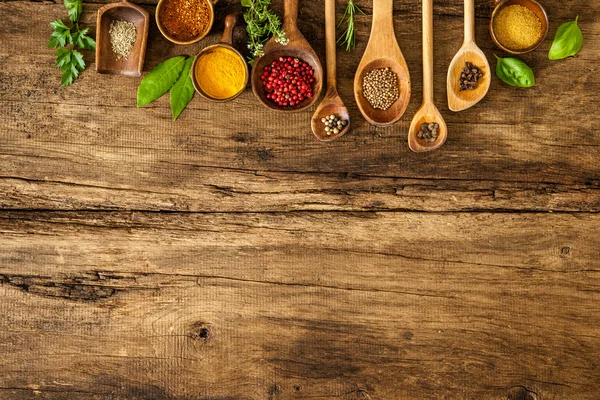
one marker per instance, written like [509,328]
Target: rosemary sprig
[348,38]
[261,24]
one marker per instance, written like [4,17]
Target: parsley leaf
[75,8]
[67,39]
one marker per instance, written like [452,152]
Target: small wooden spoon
[298,47]
[383,51]
[332,103]
[428,111]
[469,52]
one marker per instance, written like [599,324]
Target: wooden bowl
[534,6]
[174,39]
[106,59]
[226,42]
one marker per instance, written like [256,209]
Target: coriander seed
[380,88]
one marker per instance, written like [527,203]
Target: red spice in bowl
[185,19]
[288,81]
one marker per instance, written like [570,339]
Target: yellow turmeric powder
[517,27]
[221,73]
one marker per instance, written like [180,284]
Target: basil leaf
[567,41]
[183,90]
[159,80]
[514,72]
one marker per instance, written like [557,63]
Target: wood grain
[232,256]
[256,306]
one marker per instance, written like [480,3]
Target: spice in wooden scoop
[122,38]
[221,73]
[517,27]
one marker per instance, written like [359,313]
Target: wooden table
[229,255]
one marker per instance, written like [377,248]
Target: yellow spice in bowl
[221,73]
[517,27]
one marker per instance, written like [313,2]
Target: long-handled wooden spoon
[297,47]
[427,113]
[459,100]
[332,103]
[383,51]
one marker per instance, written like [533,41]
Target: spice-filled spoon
[323,126]
[428,129]
[382,52]
[297,48]
[469,75]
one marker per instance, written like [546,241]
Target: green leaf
[514,72]
[247,3]
[63,56]
[183,90]
[567,41]
[61,36]
[59,26]
[77,60]
[159,80]
[75,8]
[87,42]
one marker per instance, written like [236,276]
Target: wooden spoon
[428,111]
[383,51]
[469,52]
[298,47]
[332,103]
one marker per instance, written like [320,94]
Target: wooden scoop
[469,52]
[427,113]
[106,59]
[332,103]
[383,51]
[298,47]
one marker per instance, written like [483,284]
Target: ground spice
[380,88]
[517,27]
[221,73]
[185,19]
[122,38]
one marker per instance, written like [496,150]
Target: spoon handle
[469,21]
[330,43]
[290,18]
[428,51]
[383,20]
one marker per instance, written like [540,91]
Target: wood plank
[300,305]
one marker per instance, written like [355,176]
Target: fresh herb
[348,38]
[66,39]
[174,75]
[261,24]
[514,72]
[183,90]
[567,41]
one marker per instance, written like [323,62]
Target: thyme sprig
[261,24]
[348,38]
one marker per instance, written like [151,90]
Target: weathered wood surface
[230,255]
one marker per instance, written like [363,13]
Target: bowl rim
[197,85]
[504,3]
[173,39]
